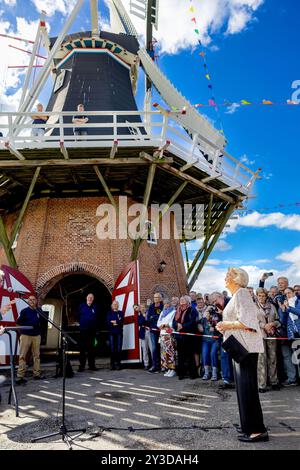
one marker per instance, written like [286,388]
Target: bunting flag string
[242,103]
[212,101]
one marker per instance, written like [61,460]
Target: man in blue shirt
[79,121]
[88,322]
[30,340]
[39,119]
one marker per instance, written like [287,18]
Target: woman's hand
[179,326]
[222,326]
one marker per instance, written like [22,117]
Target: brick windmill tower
[52,190]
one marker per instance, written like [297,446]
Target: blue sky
[252,53]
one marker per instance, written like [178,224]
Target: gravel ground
[132,409]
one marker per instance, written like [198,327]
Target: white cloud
[222,245]
[260,220]
[54,6]
[176,30]
[291,256]
[293,271]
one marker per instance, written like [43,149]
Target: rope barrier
[173,332]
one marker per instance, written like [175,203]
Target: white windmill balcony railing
[145,129]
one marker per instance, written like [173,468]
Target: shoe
[214,376]
[206,375]
[119,367]
[80,369]
[20,381]
[275,387]
[289,383]
[263,437]
[167,373]
[153,370]
[262,390]
[39,377]
[93,368]
[172,373]
[180,377]
[113,367]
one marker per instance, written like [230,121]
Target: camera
[281,298]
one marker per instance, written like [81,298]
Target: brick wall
[59,236]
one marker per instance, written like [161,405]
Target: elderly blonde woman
[267,361]
[185,321]
[240,319]
[167,341]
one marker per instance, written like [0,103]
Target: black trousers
[245,375]
[87,346]
[186,356]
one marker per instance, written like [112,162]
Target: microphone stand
[64,432]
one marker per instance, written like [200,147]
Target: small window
[151,237]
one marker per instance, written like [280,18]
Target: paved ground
[132,409]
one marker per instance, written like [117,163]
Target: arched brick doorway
[63,289]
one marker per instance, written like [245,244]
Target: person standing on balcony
[79,121]
[39,119]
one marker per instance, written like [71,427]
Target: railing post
[164,127]
[61,128]
[10,129]
[115,128]
[195,142]
[216,160]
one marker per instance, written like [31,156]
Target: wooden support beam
[159,153]
[6,245]
[105,187]
[14,151]
[114,149]
[189,165]
[64,151]
[211,246]
[147,193]
[200,251]
[24,206]
[73,162]
[145,156]
[212,178]
[198,184]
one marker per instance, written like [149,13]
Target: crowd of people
[180,336]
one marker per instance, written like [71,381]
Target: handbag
[235,349]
